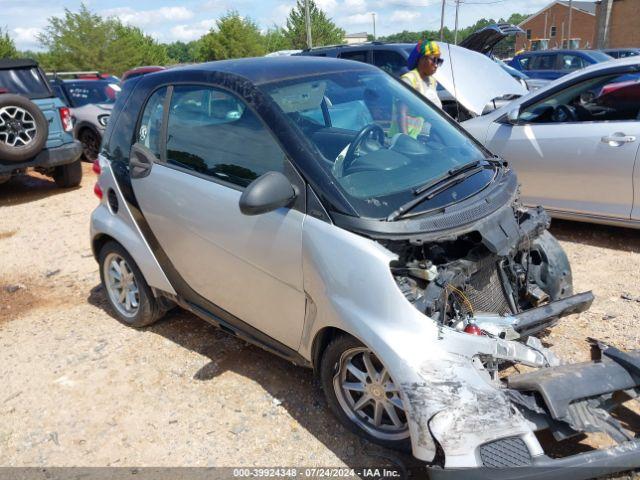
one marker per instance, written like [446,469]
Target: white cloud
[26,38]
[143,18]
[328,6]
[404,16]
[356,6]
[278,15]
[357,19]
[186,33]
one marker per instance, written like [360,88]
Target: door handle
[139,163]
[617,139]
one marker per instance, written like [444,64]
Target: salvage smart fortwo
[268,197]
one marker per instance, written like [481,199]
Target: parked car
[622,52]
[552,64]
[35,126]
[403,270]
[91,101]
[139,71]
[575,143]
[458,77]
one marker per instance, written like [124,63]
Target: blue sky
[168,21]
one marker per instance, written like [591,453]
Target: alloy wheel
[368,395]
[121,285]
[17,126]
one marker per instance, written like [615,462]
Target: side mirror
[266,193]
[513,116]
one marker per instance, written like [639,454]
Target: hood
[484,40]
[474,79]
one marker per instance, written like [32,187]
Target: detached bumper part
[582,466]
[568,400]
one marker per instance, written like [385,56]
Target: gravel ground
[77,388]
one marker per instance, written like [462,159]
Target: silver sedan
[574,143]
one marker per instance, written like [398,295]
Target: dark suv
[35,126]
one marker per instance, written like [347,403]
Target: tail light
[473,329]
[97,190]
[96,167]
[66,119]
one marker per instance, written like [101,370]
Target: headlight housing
[103,119]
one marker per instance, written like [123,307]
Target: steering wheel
[564,113]
[362,135]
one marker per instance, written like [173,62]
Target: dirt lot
[79,388]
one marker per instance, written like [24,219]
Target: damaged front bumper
[567,400]
[587,465]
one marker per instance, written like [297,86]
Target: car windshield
[23,81]
[600,56]
[376,137]
[91,91]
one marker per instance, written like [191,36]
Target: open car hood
[484,40]
[474,79]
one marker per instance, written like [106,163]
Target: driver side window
[608,98]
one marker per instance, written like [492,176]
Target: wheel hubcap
[367,394]
[17,127]
[121,285]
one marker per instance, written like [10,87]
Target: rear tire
[67,176]
[334,375]
[23,129]
[126,290]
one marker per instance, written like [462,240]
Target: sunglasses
[437,61]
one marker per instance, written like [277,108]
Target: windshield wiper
[430,190]
[450,173]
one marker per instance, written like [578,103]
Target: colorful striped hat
[423,47]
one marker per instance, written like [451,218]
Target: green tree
[276,39]
[86,41]
[235,37]
[181,52]
[7,47]
[323,30]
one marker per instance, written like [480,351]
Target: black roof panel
[7,63]
[260,70]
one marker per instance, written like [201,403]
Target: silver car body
[292,276]
[346,281]
[575,170]
[93,116]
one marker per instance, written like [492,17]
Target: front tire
[90,143]
[362,394]
[126,289]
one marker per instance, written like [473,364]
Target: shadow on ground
[295,387]
[29,188]
[298,390]
[618,238]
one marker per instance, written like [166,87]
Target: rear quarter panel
[50,108]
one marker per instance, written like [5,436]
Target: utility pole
[569,30]
[442,21]
[455,34]
[373,15]
[307,20]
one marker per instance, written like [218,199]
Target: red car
[138,71]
